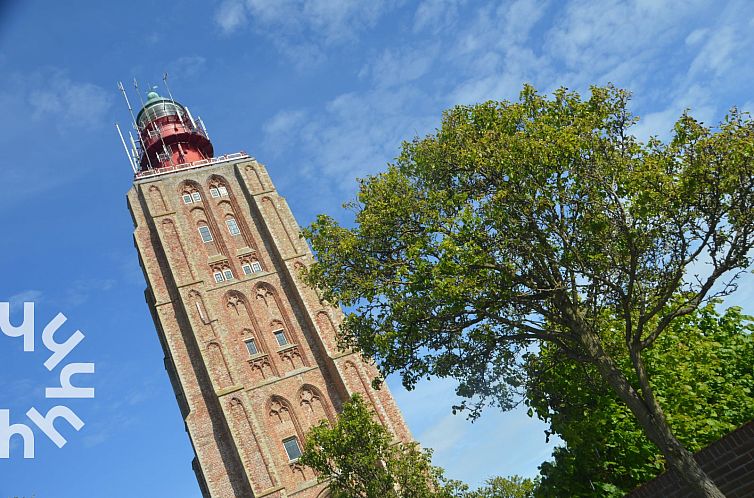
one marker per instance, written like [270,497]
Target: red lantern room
[169,135]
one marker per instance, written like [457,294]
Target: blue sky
[321,91]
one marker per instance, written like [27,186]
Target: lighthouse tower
[250,350]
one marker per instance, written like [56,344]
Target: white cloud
[186,67]
[696,36]
[444,436]
[302,29]
[284,121]
[332,21]
[27,296]
[47,103]
[283,129]
[72,103]
[437,15]
[716,55]
[494,50]
[400,66]
[231,15]
[81,290]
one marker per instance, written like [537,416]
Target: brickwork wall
[729,462]
[239,407]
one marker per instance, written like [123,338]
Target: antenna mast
[130,159]
[133,120]
[170,94]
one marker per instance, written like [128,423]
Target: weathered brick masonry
[240,406]
[729,462]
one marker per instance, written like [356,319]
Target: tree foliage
[506,487]
[542,221]
[359,458]
[702,373]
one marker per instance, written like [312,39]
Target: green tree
[702,373]
[506,487]
[540,221]
[359,458]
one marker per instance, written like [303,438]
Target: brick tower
[249,349]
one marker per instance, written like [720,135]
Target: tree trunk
[653,422]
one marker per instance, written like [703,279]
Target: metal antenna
[157,128]
[136,86]
[128,104]
[130,159]
[133,118]
[165,80]
[177,109]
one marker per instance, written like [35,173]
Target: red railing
[196,164]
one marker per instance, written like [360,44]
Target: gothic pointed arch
[229,209]
[259,465]
[218,365]
[358,383]
[269,306]
[314,405]
[241,317]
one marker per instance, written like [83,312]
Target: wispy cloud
[45,103]
[81,290]
[302,29]
[186,67]
[231,15]
[280,130]
[498,47]
[400,66]
[61,99]
[27,296]
[437,16]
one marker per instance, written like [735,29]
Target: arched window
[249,265]
[205,233]
[292,448]
[217,189]
[281,337]
[222,274]
[191,197]
[251,346]
[232,226]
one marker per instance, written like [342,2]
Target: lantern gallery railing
[192,165]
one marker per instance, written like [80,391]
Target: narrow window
[232,226]
[205,233]
[251,346]
[246,267]
[280,336]
[228,274]
[223,191]
[214,192]
[187,199]
[196,197]
[292,448]
[256,267]
[219,277]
